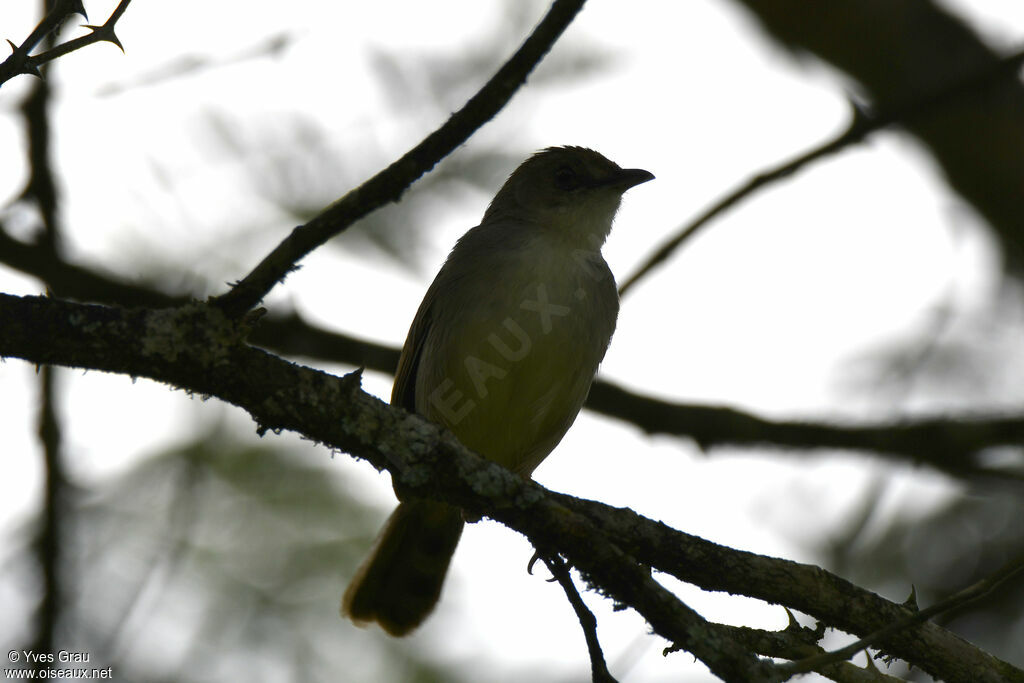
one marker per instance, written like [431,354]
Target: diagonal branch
[806,588]
[861,126]
[389,184]
[196,348]
[598,667]
[897,51]
[955,601]
[797,642]
[20,61]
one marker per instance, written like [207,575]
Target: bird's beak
[630,177]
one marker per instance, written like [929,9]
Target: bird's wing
[403,393]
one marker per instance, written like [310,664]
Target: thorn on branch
[911,601]
[105,34]
[78,7]
[27,66]
[22,62]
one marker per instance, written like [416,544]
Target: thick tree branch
[389,184]
[197,348]
[959,599]
[806,588]
[948,443]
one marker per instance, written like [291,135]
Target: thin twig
[21,62]
[862,124]
[796,642]
[969,594]
[598,667]
[51,22]
[389,184]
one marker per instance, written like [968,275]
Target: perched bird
[502,352]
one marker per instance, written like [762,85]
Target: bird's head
[573,190]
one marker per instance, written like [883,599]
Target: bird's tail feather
[399,583]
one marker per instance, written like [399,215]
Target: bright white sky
[765,311]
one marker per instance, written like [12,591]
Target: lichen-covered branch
[806,588]
[197,348]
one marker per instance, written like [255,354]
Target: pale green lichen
[201,331]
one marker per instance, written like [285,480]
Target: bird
[502,352]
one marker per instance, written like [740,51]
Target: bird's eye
[566,179]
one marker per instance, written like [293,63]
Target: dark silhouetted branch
[862,124]
[21,61]
[797,642]
[955,601]
[199,349]
[41,191]
[952,444]
[899,52]
[389,185]
[811,590]
[598,667]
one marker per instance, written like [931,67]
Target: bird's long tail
[399,583]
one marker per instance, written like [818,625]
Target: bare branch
[811,590]
[598,667]
[21,62]
[389,184]
[862,125]
[197,348]
[50,548]
[977,142]
[797,642]
[955,601]
[953,445]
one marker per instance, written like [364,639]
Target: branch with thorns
[22,62]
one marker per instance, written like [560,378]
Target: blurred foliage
[960,357]
[221,561]
[963,358]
